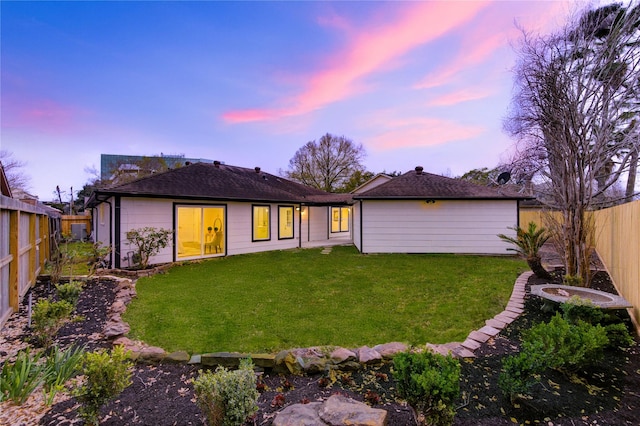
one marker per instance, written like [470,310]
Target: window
[261,223]
[340,219]
[200,231]
[285,222]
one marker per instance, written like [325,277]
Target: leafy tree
[14,170]
[327,164]
[480,176]
[571,109]
[356,179]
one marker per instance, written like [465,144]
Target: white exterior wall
[102,215]
[159,213]
[356,224]
[145,212]
[317,223]
[239,230]
[463,226]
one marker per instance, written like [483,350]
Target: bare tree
[327,164]
[14,169]
[573,110]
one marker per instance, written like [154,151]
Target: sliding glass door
[200,231]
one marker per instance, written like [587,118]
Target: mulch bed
[607,394]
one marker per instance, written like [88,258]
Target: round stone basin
[562,293]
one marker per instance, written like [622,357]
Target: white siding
[138,213]
[356,225]
[463,226]
[318,223]
[239,230]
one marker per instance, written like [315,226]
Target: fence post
[14,265]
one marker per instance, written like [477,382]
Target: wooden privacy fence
[617,242]
[68,220]
[24,248]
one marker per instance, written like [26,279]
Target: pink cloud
[486,38]
[421,132]
[460,96]
[44,115]
[368,52]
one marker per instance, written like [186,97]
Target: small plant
[20,378]
[96,257]
[148,242]
[47,318]
[59,367]
[618,335]
[430,383]
[106,375]
[227,398]
[278,401]
[528,244]
[573,280]
[70,292]
[576,309]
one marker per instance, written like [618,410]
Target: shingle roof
[221,182]
[419,184]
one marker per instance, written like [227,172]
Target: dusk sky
[248,83]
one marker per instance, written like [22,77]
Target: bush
[70,292]
[47,318]
[558,345]
[576,309]
[227,398]
[430,383]
[59,367]
[148,242]
[20,378]
[619,336]
[566,346]
[106,375]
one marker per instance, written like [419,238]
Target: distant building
[113,166]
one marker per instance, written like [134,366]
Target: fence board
[617,242]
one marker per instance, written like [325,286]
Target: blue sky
[248,83]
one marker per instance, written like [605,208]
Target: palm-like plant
[527,244]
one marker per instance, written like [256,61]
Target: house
[222,210]
[218,210]
[419,212]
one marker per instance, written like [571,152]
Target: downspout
[518,213]
[117,232]
[110,232]
[361,230]
[300,226]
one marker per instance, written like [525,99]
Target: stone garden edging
[302,360]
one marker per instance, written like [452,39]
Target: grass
[299,298]
[80,253]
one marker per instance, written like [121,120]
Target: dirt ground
[606,394]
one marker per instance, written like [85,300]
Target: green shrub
[59,367]
[518,374]
[227,398]
[558,345]
[20,378]
[576,309]
[573,280]
[618,335]
[47,318]
[70,292]
[430,383]
[566,346]
[106,375]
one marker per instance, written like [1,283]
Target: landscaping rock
[338,410]
[367,355]
[341,355]
[388,350]
[151,354]
[224,359]
[115,328]
[177,357]
[299,414]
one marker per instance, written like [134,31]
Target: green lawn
[299,298]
